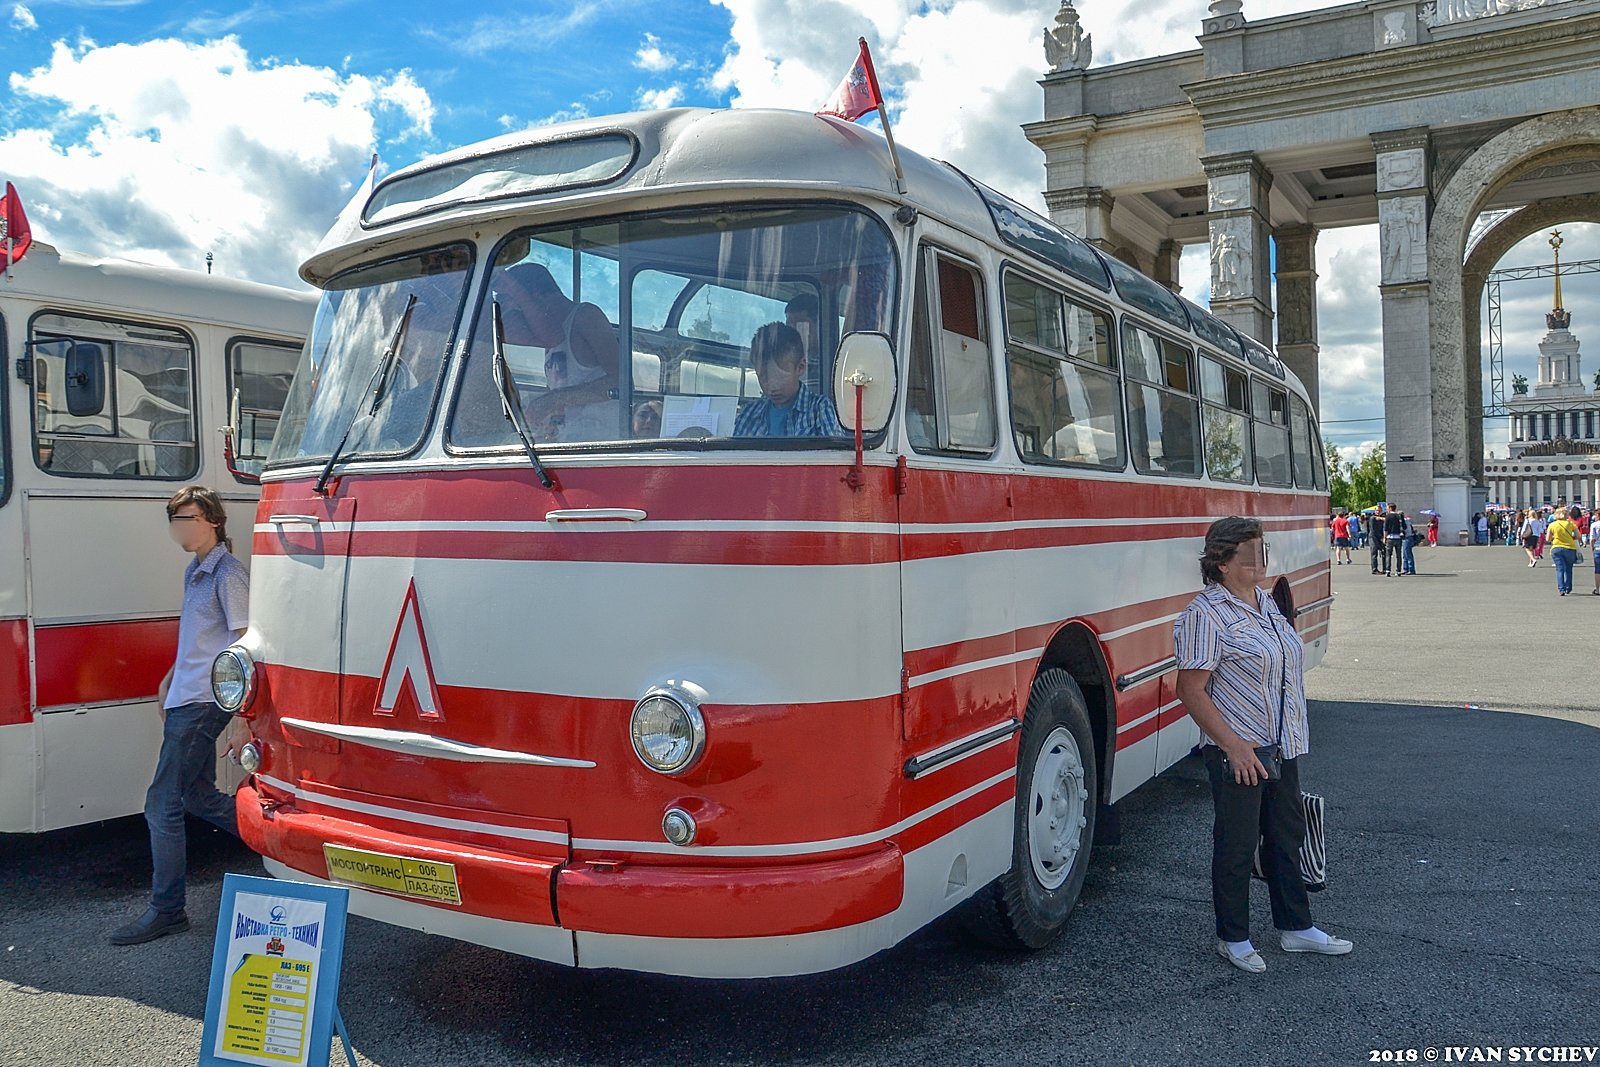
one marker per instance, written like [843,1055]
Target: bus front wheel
[1057,789]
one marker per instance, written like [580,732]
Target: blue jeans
[185,780]
[1564,558]
[1409,565]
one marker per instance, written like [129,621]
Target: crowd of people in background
[1389,535]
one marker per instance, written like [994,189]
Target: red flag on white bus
[15,234]
[858,93]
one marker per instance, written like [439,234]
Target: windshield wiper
[377,389]
[511,401]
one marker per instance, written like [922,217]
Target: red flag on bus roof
[15,235]
[858,93]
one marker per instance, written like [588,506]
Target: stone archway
[1489,250]
[1481,175]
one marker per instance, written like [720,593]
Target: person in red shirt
[1341,540]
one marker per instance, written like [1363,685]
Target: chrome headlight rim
[687,702]
[241,657]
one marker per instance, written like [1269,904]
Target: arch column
[1086,211]
[1297,304]
[1412,383]
[1236,195]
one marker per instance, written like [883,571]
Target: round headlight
[233,679]
[669,733]
[250,757]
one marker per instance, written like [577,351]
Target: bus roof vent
[545,167]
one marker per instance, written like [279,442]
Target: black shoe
[149,926]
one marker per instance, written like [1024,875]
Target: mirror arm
[856,478]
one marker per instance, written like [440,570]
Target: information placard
[274,973]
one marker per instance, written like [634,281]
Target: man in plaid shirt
[787,407]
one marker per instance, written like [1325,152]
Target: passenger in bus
[1241,678]
[580,399]
[788,406]
[216,594]
[647,420]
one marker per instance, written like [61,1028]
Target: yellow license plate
[422,879]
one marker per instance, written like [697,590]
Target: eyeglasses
[185,518]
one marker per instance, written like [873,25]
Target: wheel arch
[1075,648]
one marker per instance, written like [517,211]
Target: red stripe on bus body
[669,493]
[103,662]
[795,493]
[16,702]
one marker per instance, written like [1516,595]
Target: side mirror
[86,379]
[866,361]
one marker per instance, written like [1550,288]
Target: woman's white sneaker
[1333,946]
[1251,961]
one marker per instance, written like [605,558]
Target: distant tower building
[1555,426]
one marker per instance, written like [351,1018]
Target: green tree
[1369,483]
[1338,477]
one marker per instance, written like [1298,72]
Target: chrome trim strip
[283,520]
[960,749]
[426,745]
[594,515]
[1144,674]
[1313,606]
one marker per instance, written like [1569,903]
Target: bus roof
[696,155]
[74,280]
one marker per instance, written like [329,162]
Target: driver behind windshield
[579,403]
[788,407]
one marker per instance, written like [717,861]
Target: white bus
[118,376]
[581,634]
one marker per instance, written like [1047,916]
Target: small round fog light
[679,826]
[250,757]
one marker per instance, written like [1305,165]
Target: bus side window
[259,373]
[1163,411]
[1225,421]
[950,406]
[1066,401]
[1302,448]
[1270,429]
[138,379]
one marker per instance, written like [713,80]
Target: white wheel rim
[1057,802]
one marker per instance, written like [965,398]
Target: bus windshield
[682,327]
[362,314]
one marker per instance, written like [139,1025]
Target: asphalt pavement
[1455,734]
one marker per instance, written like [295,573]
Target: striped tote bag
[1314,851]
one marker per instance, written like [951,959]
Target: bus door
[957,591]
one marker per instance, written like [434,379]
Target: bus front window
[691,327]
[355,323]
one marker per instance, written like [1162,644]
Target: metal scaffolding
[1491,288]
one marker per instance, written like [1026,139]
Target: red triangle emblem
[408,671]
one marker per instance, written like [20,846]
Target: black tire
[1018,909]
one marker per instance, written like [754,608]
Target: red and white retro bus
[117,374]
[556,647]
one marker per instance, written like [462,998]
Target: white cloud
[959,75]
[650,56]
[177,148]
[22,19]
[655,99]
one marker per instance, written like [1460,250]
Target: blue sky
[162,131]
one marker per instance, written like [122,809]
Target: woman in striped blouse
[1240,677]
